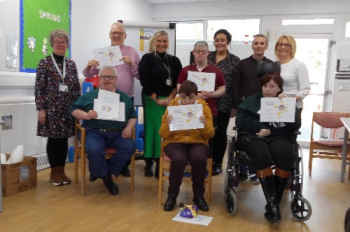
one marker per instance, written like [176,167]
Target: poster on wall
[37,19]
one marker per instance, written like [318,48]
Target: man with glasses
[101,134]
[246,83]
[127,71]
[200,53]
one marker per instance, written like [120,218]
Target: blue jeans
[95,144]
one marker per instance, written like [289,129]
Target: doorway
[314,50]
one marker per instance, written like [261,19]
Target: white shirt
[295,80]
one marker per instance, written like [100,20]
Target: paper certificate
[107,105]
[185,117]
[274,109]
[204,81]
[108,56]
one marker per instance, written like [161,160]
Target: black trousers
[220,138]
[280,150]
[57,149]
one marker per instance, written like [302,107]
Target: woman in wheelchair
[267,142]
[187,146]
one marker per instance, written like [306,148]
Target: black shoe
[272,213]
[125,172]
[200,202]
[217,169]
[170,204]
[92,178]
[110,184]
[148,171]
[243,177]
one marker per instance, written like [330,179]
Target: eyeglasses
[107,77]
[200,51]
[59,42]
[117,33]
[282,44]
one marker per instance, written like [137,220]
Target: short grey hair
[201,44]
[118,24]
[261,35]
[60,33]
[107,67]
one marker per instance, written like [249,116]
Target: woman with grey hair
[158,72]
[56,89]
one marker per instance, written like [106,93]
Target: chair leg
[75,167]
[310,161]
[160,180]
[83,159]
[132,176]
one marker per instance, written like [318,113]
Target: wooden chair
[164,171]
[326,148]
[79,152]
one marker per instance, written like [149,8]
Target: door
[314,50]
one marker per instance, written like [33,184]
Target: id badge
[63,88]
[169,82]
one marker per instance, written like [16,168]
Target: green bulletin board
[37,19]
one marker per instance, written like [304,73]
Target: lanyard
[58,70]
[166,66]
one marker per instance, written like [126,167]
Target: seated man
[187,146]
[102,134]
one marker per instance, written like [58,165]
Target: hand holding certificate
[185,117]
[108,106]
[108,56]
[274,109]
[204,81]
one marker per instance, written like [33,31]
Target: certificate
[108,56]
[204,81]
[185,117]
[274,109]
[107,105]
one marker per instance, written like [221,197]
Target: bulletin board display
[37,19]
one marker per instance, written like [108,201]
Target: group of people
[237,93]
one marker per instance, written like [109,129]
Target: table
[346,122]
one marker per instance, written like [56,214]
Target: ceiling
[177,1]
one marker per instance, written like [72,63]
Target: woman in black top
[158,76]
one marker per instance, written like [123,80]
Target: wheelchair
[300,207]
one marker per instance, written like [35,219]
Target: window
[347,30]
[242,30]
[189,31]
[307,21]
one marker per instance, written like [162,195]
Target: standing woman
[56,89]
[158,76]
[226,62]
[294,72]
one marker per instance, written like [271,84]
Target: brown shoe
[65,179]
[55,177]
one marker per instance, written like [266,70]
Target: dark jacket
[248,121]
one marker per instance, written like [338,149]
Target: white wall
[91,21]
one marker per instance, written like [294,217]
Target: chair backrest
[329,119]
[87,87]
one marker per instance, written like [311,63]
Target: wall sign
[37,19]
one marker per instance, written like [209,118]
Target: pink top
[126,74]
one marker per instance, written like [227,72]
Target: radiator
[42,162]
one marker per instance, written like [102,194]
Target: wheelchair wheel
[229,168]
[231,202]
[301,208]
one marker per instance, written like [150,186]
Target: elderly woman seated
[187,146]
[265,142]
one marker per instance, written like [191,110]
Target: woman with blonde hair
[294,72]
[158,72]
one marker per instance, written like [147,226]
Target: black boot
[170,204]
[148,168]
[272,213]
[156,171]
[281,178]
[217,169]
[110,184]
[201,203]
